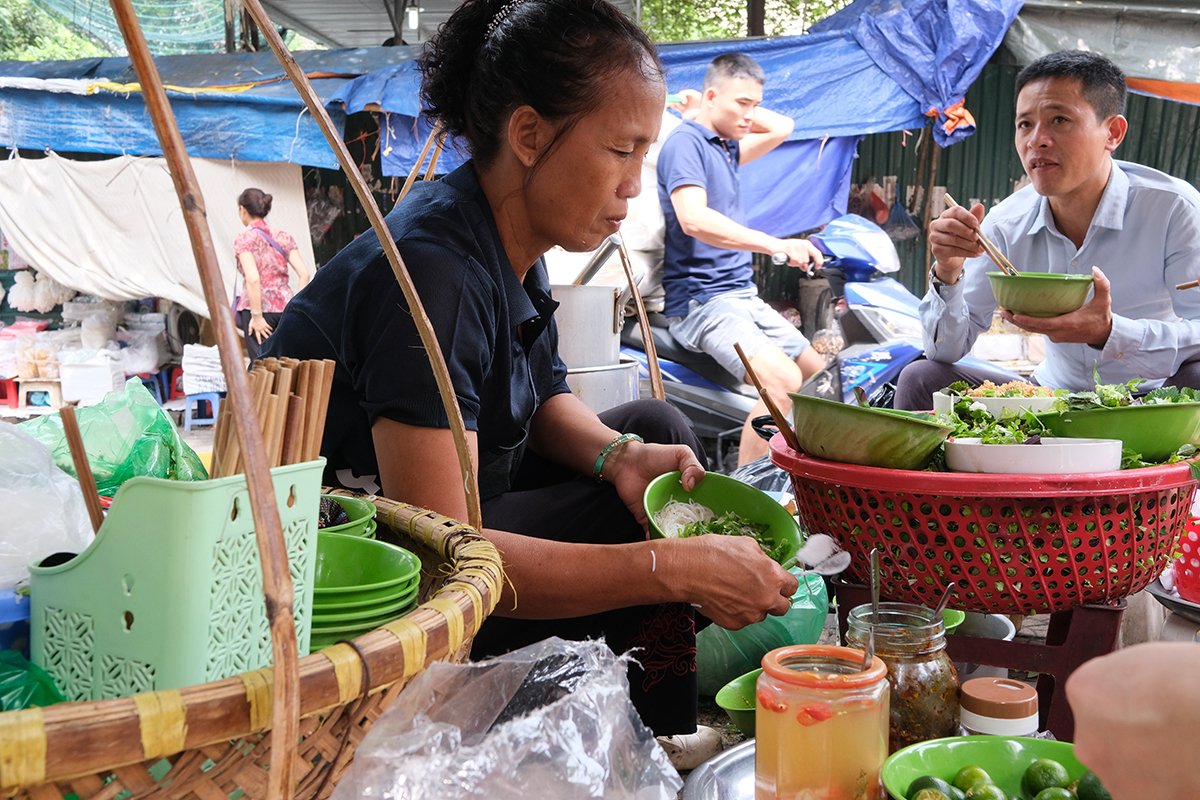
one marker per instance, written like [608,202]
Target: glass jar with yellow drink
[821,724]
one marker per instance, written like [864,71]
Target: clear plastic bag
[722,655]
[125,435]
[43,507]
[550,720]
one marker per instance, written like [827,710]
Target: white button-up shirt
[1145,236]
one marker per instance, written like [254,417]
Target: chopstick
[291,401]
[989,246]
[789,435]
[83,470]
[1188,285]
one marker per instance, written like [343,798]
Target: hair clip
[504,11]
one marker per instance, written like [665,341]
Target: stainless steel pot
[602,388]
[589,325]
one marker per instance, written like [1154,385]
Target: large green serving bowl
[1040,294]
[1005,758]
[1155,431]
[873,437]
[722,493]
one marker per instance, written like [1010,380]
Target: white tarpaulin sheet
[114,228]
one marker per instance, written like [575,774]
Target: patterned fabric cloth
[272,266]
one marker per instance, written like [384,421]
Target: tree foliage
[688,20]
[27,33]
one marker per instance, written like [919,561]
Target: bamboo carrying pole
[277,582]
[424,327]
[656,382]
[83,469]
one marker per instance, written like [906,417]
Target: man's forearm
[717,230]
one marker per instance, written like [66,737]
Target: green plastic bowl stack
[1040,294]
[362,516]
[360,584]
[872,437]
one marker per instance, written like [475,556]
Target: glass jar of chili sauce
[821,724]
[924,683]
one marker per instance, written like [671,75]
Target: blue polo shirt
[692,155]
[497,335]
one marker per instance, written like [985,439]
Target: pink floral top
[272,267]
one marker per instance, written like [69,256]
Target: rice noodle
[675,515]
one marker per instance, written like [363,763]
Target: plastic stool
[52,388]
[1073,637]
[214,401]
[150,381]
[172,379]
[8,393]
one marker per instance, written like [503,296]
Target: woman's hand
[727,578]
[632,466]
[258,327]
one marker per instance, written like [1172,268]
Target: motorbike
[878,319]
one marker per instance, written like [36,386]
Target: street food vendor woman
[557,102]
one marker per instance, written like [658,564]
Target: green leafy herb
[733,524]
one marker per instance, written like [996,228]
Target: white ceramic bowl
[998,407]
[1052,456]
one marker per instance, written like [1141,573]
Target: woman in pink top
[263,255]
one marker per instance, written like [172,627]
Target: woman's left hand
[636,464]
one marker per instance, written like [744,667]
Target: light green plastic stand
[170,592]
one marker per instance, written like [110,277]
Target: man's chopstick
[989,247]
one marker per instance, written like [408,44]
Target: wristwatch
[937,283]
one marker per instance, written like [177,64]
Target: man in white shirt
[1136,230]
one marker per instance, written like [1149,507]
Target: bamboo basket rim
[153,725]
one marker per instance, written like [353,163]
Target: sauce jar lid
[999,698]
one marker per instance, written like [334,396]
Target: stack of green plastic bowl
[360,584]
[361,513]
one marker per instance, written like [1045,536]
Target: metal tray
[1184,608]
[728,776]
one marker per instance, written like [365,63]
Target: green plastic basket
[170,592]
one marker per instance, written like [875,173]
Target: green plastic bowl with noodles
[872,437]
[1040,294]
[721,494]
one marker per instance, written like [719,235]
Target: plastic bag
[722,655]
[126,435]
[900,225]
[552,719]
[43,507]
[23,684]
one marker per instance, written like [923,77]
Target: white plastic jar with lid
[998,707]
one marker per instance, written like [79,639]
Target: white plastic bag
[552,720]
[43,507]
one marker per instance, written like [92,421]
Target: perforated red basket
[1014,544]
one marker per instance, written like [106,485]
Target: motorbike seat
[668,348]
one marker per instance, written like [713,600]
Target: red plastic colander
[1187,566]
[1014,544]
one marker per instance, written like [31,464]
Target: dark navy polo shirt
[692,155]
[497,335]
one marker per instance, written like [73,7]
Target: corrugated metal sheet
[1162,134]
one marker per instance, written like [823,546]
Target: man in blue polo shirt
[711,298]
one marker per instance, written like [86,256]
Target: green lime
[1055,793]
[928,782]
[1090,788]
[970,776]
[930,794]
[1042,774]
[986,791]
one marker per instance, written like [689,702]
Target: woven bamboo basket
[211,740]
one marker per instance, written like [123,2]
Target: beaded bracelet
[624,438]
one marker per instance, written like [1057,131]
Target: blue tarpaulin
[878,65]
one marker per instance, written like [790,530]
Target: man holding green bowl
[1134,229]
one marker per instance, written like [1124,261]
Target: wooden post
[277,581]
[424,326]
